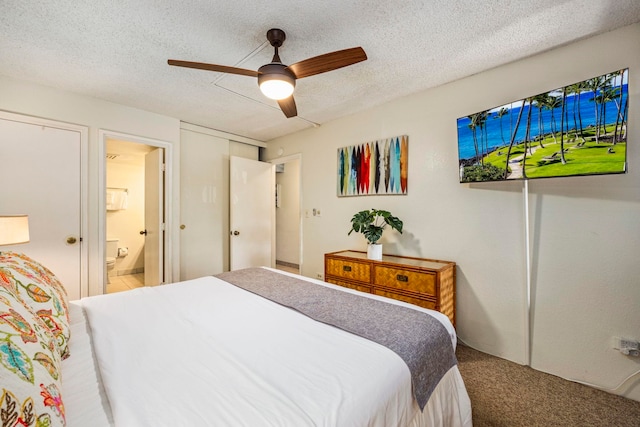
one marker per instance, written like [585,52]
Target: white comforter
[204,352]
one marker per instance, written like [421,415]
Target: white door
[204,205]
[252,206]
[40,174]
[154,218]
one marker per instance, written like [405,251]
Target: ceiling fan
[277,80]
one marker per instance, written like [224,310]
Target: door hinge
[163,168]
[163,226]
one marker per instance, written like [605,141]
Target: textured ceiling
[118,50]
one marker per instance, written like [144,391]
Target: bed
[258,347]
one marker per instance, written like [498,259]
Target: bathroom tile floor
[125,282]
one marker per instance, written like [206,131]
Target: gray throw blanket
[418,338]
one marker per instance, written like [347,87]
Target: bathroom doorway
[134,215]
[288,213]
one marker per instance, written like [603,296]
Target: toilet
[112,253]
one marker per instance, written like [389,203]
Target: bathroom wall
[127,171]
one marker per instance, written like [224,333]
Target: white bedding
[85,402]
[204,352]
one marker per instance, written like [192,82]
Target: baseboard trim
[287,264]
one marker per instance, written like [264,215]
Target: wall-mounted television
[579,129]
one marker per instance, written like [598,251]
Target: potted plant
[372,223]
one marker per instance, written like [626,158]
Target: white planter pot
[374,251]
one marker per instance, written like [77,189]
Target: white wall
[40,101]
[585,230]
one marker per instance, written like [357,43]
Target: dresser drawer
[416,301]
[348,269]
[422,282]
[350,285]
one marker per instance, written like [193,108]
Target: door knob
[235,232]
[143,232]
[71,240]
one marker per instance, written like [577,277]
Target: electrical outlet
[631,344]
[620,343]
[626,346]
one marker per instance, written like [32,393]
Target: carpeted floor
[506,394]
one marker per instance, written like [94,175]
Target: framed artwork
[575,130]
[374,168]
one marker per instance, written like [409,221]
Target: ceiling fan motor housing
[276,37]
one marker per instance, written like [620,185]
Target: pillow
[41,290]
[30,362]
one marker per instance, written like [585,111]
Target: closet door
[204,204]
[41,177]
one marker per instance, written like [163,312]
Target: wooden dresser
[425,282]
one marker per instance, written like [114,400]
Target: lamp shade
[276,81]
[14,229]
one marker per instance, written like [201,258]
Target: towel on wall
[117,199]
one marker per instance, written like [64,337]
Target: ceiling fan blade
[213,67]
[328,62]
[288,107]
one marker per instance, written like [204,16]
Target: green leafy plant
[372,223]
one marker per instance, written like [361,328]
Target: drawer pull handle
[402,278]
[346,267]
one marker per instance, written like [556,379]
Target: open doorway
[134,215]
[288,214]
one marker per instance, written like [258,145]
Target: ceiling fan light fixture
[275,81]
[276,89]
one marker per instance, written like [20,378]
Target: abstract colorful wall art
[374,168]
